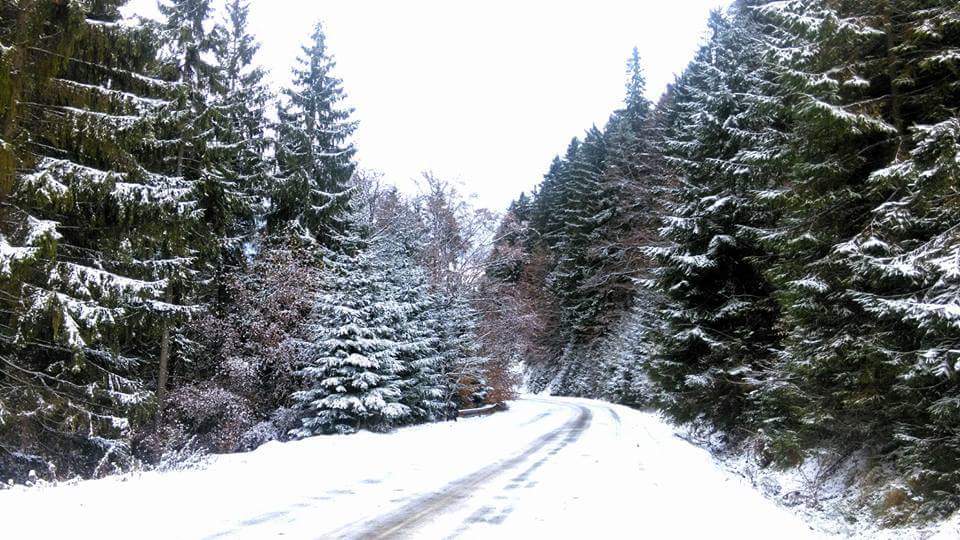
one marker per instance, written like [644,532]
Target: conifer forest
[193,262]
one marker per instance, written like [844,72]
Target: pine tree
[188,44]
[352,379]
[720,315]
[589,215]
[834,147]
[239,169]
[866,241]
[581,213]
[627,203]
[92,232]
[546,218]
[467,370]
[313,151]
[417,332]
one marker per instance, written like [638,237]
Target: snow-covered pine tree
[907,268]
[546,217]
[417,332]
[627,206]
[220,130]
[239,170]
[313,151]
[583,208]
[352,376]
[468,371]
[506,260]
[868,242]
[188,43]
[92,229]
[418,328]
[838,66]
[720,315]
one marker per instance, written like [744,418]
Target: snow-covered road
[548,467]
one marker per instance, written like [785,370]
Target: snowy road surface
[547,468]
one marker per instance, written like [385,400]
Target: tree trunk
[896,111]
[164,369]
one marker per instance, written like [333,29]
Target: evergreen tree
[591,212]
[313,151]
[188,133]
[627,206]
[92,232]
[467,371]
[235,189]
[835,146]
[417,332]
[581,213]
[720,317]
[352,378]
[866,244]
[547,218]
[221,129]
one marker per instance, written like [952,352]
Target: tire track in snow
[424,508]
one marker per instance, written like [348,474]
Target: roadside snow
[570,468]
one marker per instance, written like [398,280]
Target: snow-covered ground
[548,467]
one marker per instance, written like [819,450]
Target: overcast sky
[484,92]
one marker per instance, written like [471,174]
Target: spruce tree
[235,187]
[92,235]
[866,242]
[188,43]
[417,333]
[580,213]
[352,377]
[835,145]
[627,203]
[466,369]
[591,211]
[547,218]
[313,151]
[720,316]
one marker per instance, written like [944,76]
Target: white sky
[484,92]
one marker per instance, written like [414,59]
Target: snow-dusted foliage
[718,311]
[805,291]
[612,367]
[562,271]
[352,375]
[233,395]
[313,150]
[417,324]
[161,242]
[437,236]
[232,188]
[867,243]
[94,233]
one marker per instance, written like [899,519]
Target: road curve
[546,468]
[422,509]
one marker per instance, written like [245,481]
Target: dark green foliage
[867,255]
[720,317]
[313,151]
[91,237]
[571,254]
[137,301]
[804,167]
